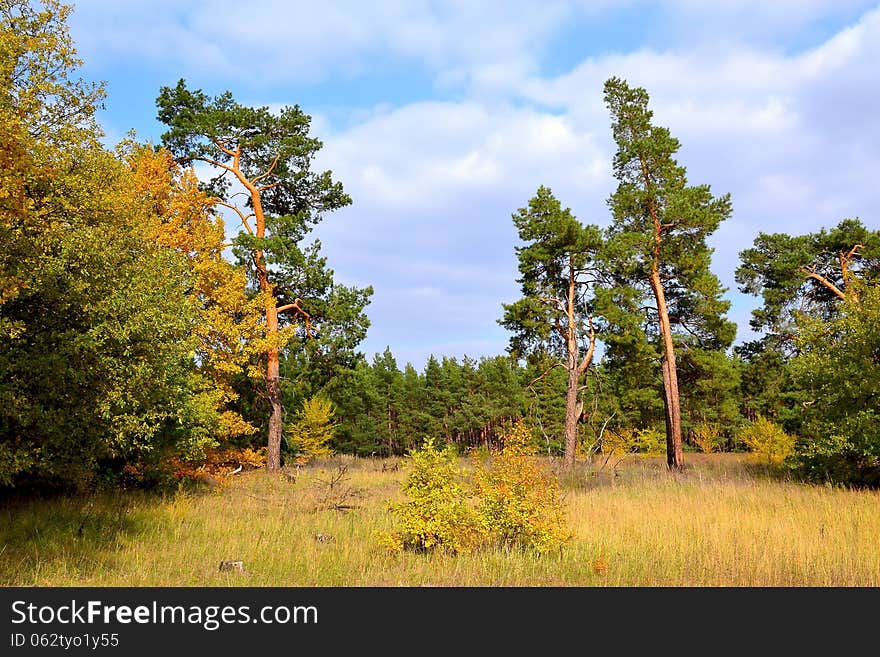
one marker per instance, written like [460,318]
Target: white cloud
[788,135]
[792,133]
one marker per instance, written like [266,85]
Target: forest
[157,328]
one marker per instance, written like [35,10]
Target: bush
[519,504]
[707,437]
[625,440]
[847,453]
[309,436]
[438,514]
[650,441]
[767,440]
[511,501]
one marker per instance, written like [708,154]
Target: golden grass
[721,523]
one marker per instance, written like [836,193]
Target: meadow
[724,521]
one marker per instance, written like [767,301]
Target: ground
[725,521]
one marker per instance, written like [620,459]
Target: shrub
[650,441]
[511,501]
[519,504]
[309,436]
[847,453]
[619,442]
[625,440]
[707,437]
[438,514]
[767,440]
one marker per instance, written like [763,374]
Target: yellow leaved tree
[310,435]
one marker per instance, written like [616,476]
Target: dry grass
[722,523]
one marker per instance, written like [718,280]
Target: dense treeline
[131,347]
[384,408]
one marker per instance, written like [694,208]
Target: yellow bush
[619,442]
[519,504]
[623,440]
[707,437]
[309,436]
[511,501]
[438,514]
[767,440]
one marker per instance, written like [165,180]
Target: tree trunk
[572,413]
[273,380]
[273,391]
[671,405]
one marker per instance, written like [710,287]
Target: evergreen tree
[559,272]
[658,244]
[269,156]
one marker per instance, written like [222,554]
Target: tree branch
[219,144]
[215,163]
[239,213]
[268,171]
[296,306]
[811,273]
[845,259]
[546,372]
[588,357]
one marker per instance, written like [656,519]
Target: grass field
[724,522]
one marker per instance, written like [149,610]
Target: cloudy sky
[442,118]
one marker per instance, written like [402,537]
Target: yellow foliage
[767,440]
[309,436]
[510,502]
[438,514]
[519,503]
[176,214]
[707,437]
[624,440]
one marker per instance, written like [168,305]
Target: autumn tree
[178,215]
[559,271]
[44,108]
[657,244]
[97,348]
[819,320]
[265,159]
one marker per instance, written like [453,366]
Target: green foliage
[652,183]
[839,366]
[438,514]
[798,274]
[277,151]
[554,319]
[97,315]
[767,440]
[465,402]
[649,441]
[314,320]
[519,504]
[657,254]
[556,248]
[37,61]
[310,435]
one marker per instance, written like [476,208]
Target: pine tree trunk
[273,392]
[572,414]
[671,404]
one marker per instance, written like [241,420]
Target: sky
[442,118]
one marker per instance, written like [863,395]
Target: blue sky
[442,118]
